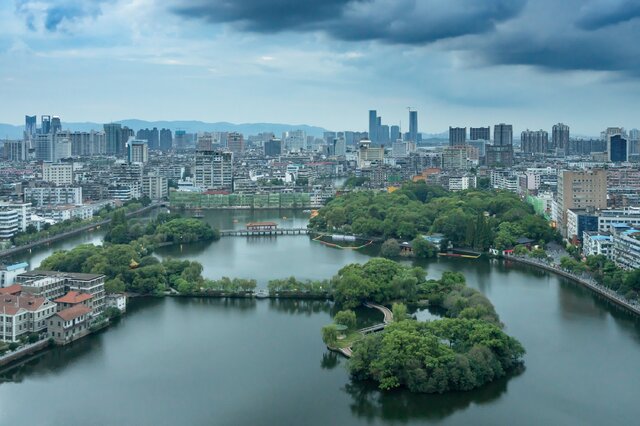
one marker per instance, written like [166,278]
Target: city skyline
[107,60]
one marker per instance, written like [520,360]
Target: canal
[235,362]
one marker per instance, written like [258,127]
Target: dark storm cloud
[52,13]
[392,21]
[602,13]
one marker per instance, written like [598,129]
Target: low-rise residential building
[8,273]
[73,298]
[23,314]
[53,196]
[54,284]
[597,243]
[117,300]
[69,324]
[626,247]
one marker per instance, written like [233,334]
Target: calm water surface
[206,361]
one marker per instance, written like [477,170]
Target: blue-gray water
[205,361]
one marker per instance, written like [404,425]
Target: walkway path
[584,279]
[388,318]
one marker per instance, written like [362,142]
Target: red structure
[262,226]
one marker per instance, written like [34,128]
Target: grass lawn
[349,339]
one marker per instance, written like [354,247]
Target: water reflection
[330,360]
[403,406]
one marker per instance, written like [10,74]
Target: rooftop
[12,289]
[16,266]
[12,304]
[73,312]
[73,297]
[73,275]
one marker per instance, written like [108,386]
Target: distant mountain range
[10,131]
[15,132]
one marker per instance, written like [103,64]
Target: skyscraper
[617,148]
[235,142]
[480,133]
[500,154]
[457,136]
[45,124]
[30,126]
[113,135]
[56,124]
[373,126]
[383,134]
[503,134]
[137,151]
[580,190]
[534,142]
[395,133]
[166,139]
[560,138]
[413,126]
[272,147]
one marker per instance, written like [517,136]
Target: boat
[261,294]
[198,214]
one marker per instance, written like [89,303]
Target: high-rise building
[214,169]
[413,126]
[500,154]
[580,190]
[534,142]
[113,136]
[339,147]
[457,136]
[137,151]
[152,137]
[58,173]
[180,141]
[373,126]
[395,133]
[56,124]
[294,140]
[235,142]
[30,126]
[166,139]
[43,144]
[45,124]
[383,134]
[503,134]
[617,148]
[480,133]
[560,138]
[272,148]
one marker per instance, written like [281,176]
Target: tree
[330,335]
[115,285]
[399,311]
[423,249]
[346,318]
[390,248]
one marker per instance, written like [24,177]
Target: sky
[531,63]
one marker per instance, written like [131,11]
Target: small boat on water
[198,214]
[261,294]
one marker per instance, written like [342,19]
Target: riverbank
[19,249]
[586,281]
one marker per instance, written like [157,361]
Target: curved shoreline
[62,236]
[603,291]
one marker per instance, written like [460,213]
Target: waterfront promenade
[62,236]
[584,279]
[388,318]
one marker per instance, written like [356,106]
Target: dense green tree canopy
[436,356]
[477,219]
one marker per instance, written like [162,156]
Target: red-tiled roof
[73,297]
[11,304]
[73,312]
[12,289]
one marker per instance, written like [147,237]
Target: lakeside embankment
[62,236]
[583,280]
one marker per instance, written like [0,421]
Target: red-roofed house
[13,290]
[22,314]
[69,324]
[73,298]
